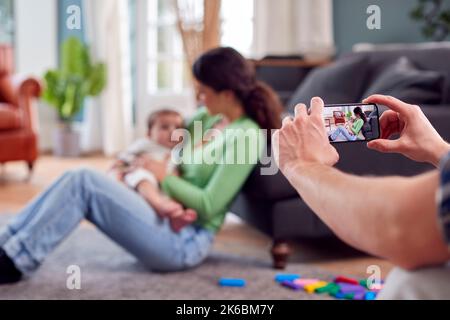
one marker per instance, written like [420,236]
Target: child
[157,145]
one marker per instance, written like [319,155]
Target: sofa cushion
[9,117]
[342,82]
[425,56]
[403,80]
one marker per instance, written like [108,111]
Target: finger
[276,145]
[390,102]
[388,132]
[301,110]
[286,121]
[389,124]
[384,146]
[389,116]
[389,129]
[275,136]
[317,106]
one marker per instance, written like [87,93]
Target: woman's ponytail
[263,106]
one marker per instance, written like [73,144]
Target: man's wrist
[299,168]
[440,152]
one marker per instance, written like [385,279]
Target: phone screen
[352,122]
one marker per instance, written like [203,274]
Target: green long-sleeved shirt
[210,187]
[357,126]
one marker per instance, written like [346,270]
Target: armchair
[339,117]
[18,132]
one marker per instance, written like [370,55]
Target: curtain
[109,118]
[290,27]
[199,25]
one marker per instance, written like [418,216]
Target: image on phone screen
[352,122]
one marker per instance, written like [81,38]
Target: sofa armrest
[26,90]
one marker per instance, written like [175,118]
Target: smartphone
[352,122]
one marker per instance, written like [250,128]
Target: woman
[228,87]
[350,133]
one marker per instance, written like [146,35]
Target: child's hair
[153,117]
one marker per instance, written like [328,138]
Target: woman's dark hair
[360,113]
[226,69]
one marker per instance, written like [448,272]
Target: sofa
[18,134]
[414,74]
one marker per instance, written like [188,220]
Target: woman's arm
[214,198]
[357,126]
[221,188]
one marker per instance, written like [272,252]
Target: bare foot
[180,221]
[168,208]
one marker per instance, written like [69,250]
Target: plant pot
[66,141]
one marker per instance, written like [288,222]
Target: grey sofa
[271,205]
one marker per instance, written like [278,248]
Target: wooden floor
[16,189]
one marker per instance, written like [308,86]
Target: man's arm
[393,217]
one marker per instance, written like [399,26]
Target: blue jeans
[344,132]
[120,213]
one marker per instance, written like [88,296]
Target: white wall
[36,37]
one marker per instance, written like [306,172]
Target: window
[167,68]
[6,22]
[237,25]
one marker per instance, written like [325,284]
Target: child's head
[161,124]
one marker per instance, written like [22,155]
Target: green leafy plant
[66,88]
[435,14]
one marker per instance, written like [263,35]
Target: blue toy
[227,282]
[286,277]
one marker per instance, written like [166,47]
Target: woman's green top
[212,174]
[357,126]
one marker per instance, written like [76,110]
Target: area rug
[108,272]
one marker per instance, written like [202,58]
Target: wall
[36,50]
[396,25]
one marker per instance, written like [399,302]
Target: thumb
[384,145]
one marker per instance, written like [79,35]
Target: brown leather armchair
[18,121]
[339,117]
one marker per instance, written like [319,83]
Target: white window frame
[147,102]
[181,99]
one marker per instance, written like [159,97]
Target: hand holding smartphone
[352,122]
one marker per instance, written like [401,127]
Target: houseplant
[67,88]
[435,15]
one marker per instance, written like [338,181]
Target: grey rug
[108,272]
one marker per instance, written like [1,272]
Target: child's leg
[178,222]
[145,183]
[135,177]
[147,186]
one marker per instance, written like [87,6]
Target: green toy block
[331,287]
[349,296]
[363,283]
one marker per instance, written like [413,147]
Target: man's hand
[418,140]
[303,140]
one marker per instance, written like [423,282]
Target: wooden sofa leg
[30,167]
[280,254]
[30,170]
